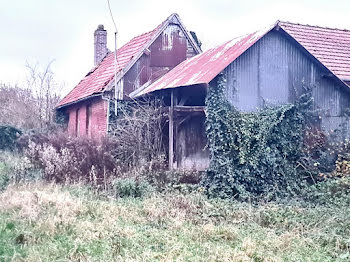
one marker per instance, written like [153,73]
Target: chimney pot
[100,44]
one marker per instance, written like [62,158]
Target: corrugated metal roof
[203,68]
[330,46]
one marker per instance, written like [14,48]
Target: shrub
[8,137]
[331,191]
[253,154]
[128,187]
[16,168]
[64,158]
[157,174]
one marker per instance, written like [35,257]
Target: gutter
[79,100]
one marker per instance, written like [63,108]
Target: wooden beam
[185,109]
[189,108]
[171,131]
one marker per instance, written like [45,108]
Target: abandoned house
[269,67]
[141,61]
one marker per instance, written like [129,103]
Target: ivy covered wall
[253,153]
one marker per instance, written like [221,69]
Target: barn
[268,67]
[140,62]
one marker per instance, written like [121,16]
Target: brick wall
[98,119]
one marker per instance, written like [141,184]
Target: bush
[64,158]
[157,174]
[128,187]
[72,159]
[8,137]
[15,168]
[331,191]
[253,154]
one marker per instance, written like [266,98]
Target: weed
[47,222]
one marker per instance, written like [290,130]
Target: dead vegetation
[47,222]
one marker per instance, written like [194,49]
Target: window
[88,120]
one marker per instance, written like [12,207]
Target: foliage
[15,168]
[331,191]
[326,155]
[48,222]
[64,158]
[8,137]
[128,187]
[157,174]
[253,153]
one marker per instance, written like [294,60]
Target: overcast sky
[39,31]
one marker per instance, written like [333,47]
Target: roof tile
[101,75]
[330,46]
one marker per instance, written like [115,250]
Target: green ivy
[253,154]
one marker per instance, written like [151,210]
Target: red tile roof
[330,46]
[100,76]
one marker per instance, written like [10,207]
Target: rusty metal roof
[329,46]
[203,68]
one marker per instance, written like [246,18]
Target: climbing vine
[253,153]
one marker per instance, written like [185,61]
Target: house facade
[269,67]
[139,62]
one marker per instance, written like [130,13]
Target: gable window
[88,120]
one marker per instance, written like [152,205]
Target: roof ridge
[315,26]
[145,33]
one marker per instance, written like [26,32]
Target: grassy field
[47,222]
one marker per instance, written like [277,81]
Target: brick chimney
[101,50]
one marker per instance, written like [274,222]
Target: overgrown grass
[47,222]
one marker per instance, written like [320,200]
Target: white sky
[43,30]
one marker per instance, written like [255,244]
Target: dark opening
[77,122]
[88,120]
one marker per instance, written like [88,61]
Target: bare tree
[17,107]
[31,106]
[42,84]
